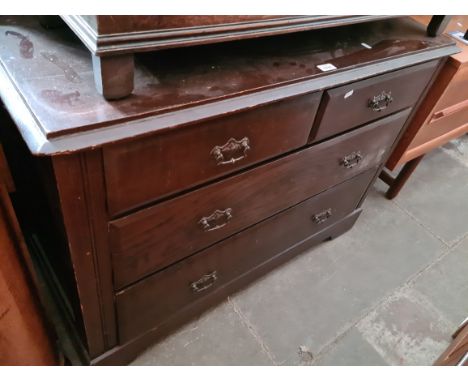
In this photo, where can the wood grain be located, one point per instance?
(24, 337)
(78, 218)
(5, 174)
(107, 35)
(163, 234)
(146, 170)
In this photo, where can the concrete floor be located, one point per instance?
(389, 292)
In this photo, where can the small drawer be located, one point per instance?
(148, 303)
(360, 102)
(148, 169)
(158, 236)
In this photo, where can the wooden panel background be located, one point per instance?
(24, 339)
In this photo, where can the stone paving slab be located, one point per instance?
(351, 350)
(446, 284)
(219, 337)
(406, 330)
(390, 291)
(436, 195)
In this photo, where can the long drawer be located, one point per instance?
(158, 236)
(363, 101)
(151, 301)
(146, 170)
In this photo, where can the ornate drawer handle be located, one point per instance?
(231, 152)
(204, 282)
(351, 160)
(218, 218)
(322, 216)
(381, 102)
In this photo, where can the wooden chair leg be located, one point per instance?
(397, 183)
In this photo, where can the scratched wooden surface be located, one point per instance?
(52, 69)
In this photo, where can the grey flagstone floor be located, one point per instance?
(389, 292)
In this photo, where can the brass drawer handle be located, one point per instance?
(322, 216)
(205, 282)
(351, 160)
(380, 102)
(216, 220)
(231, 152)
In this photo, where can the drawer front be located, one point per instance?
(437, 127)
(148, 303)
(360, 102)
(146, 170)
(165, 233)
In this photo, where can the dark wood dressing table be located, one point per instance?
(226, 160)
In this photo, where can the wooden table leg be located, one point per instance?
(396, 184)
(113, 75)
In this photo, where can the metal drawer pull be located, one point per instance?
(351, 160)
(380, 102)
(226, 154)
(216, 220)
(204, 282)
(322, 216)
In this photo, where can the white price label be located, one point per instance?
(349, 94)
(326, 67)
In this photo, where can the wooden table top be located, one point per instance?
(50, 72)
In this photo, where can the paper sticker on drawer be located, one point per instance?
(326, 67)
(349, 94)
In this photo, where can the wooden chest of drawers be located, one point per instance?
(155, 207)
